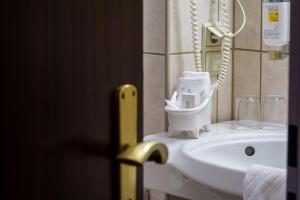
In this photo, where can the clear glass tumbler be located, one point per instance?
(274, 112)
(247, 112)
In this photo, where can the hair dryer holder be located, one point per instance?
(191, 121)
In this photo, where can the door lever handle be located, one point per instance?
(147, 151)
(131, 153)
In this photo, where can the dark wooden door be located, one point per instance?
(293, 180)
(61, 61)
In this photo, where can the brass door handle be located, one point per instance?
(147, 151)
(131, 153)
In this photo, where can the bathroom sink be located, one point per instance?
(214, 166)
(224, 160)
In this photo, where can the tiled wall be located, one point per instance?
(155, 73)
(254, 73)
(181, 51)
(251, 73)
(154, 66)
(160, 79)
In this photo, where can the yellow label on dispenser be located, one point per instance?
(273, 16)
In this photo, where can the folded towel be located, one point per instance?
(264, 183)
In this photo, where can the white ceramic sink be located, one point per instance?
(218, 159)
(223, 161)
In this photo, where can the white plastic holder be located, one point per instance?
(191, 121)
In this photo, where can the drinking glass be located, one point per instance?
(274, 112)
(247, 112)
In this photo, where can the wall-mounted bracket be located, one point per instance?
(212, 35)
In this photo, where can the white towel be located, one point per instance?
(264, 183)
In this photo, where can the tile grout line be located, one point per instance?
(261, 52)
(217, 98)
(167, 46)
(167, 55)
(233, 64)
(253, 50)
(154, 53)
(217, 106)
(190, 52)
(181, 53)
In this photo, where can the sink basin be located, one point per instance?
(218, 160)
(224, 161)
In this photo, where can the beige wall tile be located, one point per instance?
(264, 46)
(275, 76)
(250, 37)
(275, 80)
(246, 74)
(154, 26)
(214, 115)
(180, 22)
(154, 94)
